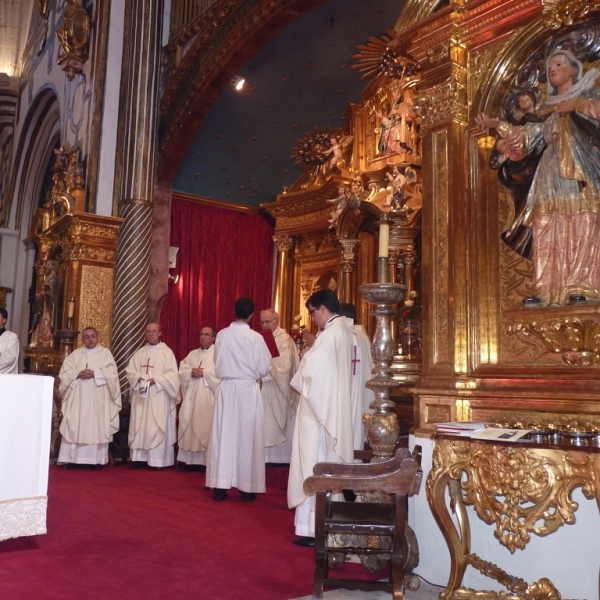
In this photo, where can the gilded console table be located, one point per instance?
(520, 488)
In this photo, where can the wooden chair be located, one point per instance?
(400, 477)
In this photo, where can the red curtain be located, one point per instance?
(223, 255)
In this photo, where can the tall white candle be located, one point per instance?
(71, 308)
(384, 239)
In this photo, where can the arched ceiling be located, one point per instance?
(237, 150)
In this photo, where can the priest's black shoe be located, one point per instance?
(305, 541)
(137, 464)
(247, 496)
(69, 466)
(219, 495)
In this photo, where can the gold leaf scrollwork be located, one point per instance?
(534, 489)
(561, 13)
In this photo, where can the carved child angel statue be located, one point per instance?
(336, 151)
(340, 204)
(399, 178)
(561, 201)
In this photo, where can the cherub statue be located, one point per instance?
(336, 151)
(340, 204)
(399, 178)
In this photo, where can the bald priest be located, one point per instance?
(91, 402)
(154, 383)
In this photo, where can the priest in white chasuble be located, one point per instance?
(9, 347)
(91, 402)
(362, 371)
(198, 385)
(279, 398)
(324, 430)
(236, 453)
(154, 382)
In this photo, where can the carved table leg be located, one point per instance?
(459, 542)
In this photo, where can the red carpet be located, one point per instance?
(118, 533)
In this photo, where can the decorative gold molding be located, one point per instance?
(440, 329)
(571, 331)
(442, 102)
(561, 13)
(96, 300)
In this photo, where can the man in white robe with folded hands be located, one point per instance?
(198, 385)
(324, 429)
(9, 347)
(91, 402)
(279, 398)
(154, 382)
(236, 453)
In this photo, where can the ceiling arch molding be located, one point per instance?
(228, 35)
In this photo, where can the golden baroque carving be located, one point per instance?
(284, 243)
(577, 340)
(96, 300)
(438, 52)
(561, 13)
(442, 102)
(74, 35)
(442, 248)
(519, 490)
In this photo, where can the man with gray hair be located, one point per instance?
(278, 396)
(91, 402)
(9, 347)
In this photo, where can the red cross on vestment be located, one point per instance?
(148, 366)
(354, 361)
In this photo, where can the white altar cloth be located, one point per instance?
(25, 431)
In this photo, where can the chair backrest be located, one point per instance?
(401, 474)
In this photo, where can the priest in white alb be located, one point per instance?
(154, 383)
(279, 398)
(236, 453)
(198, 386)
(9, 347)
(324, 430)
(91, 402)
(362, 371)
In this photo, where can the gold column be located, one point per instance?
(135, 175)
(348, 266)
(282, 297)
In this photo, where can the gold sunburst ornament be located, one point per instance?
(377, 57)
(312, 149)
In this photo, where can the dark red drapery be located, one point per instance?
(223, 254)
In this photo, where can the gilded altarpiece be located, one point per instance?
(327, 224)
(487, 354)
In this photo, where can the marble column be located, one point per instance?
(134, 182)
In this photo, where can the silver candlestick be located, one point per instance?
(382, 425)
